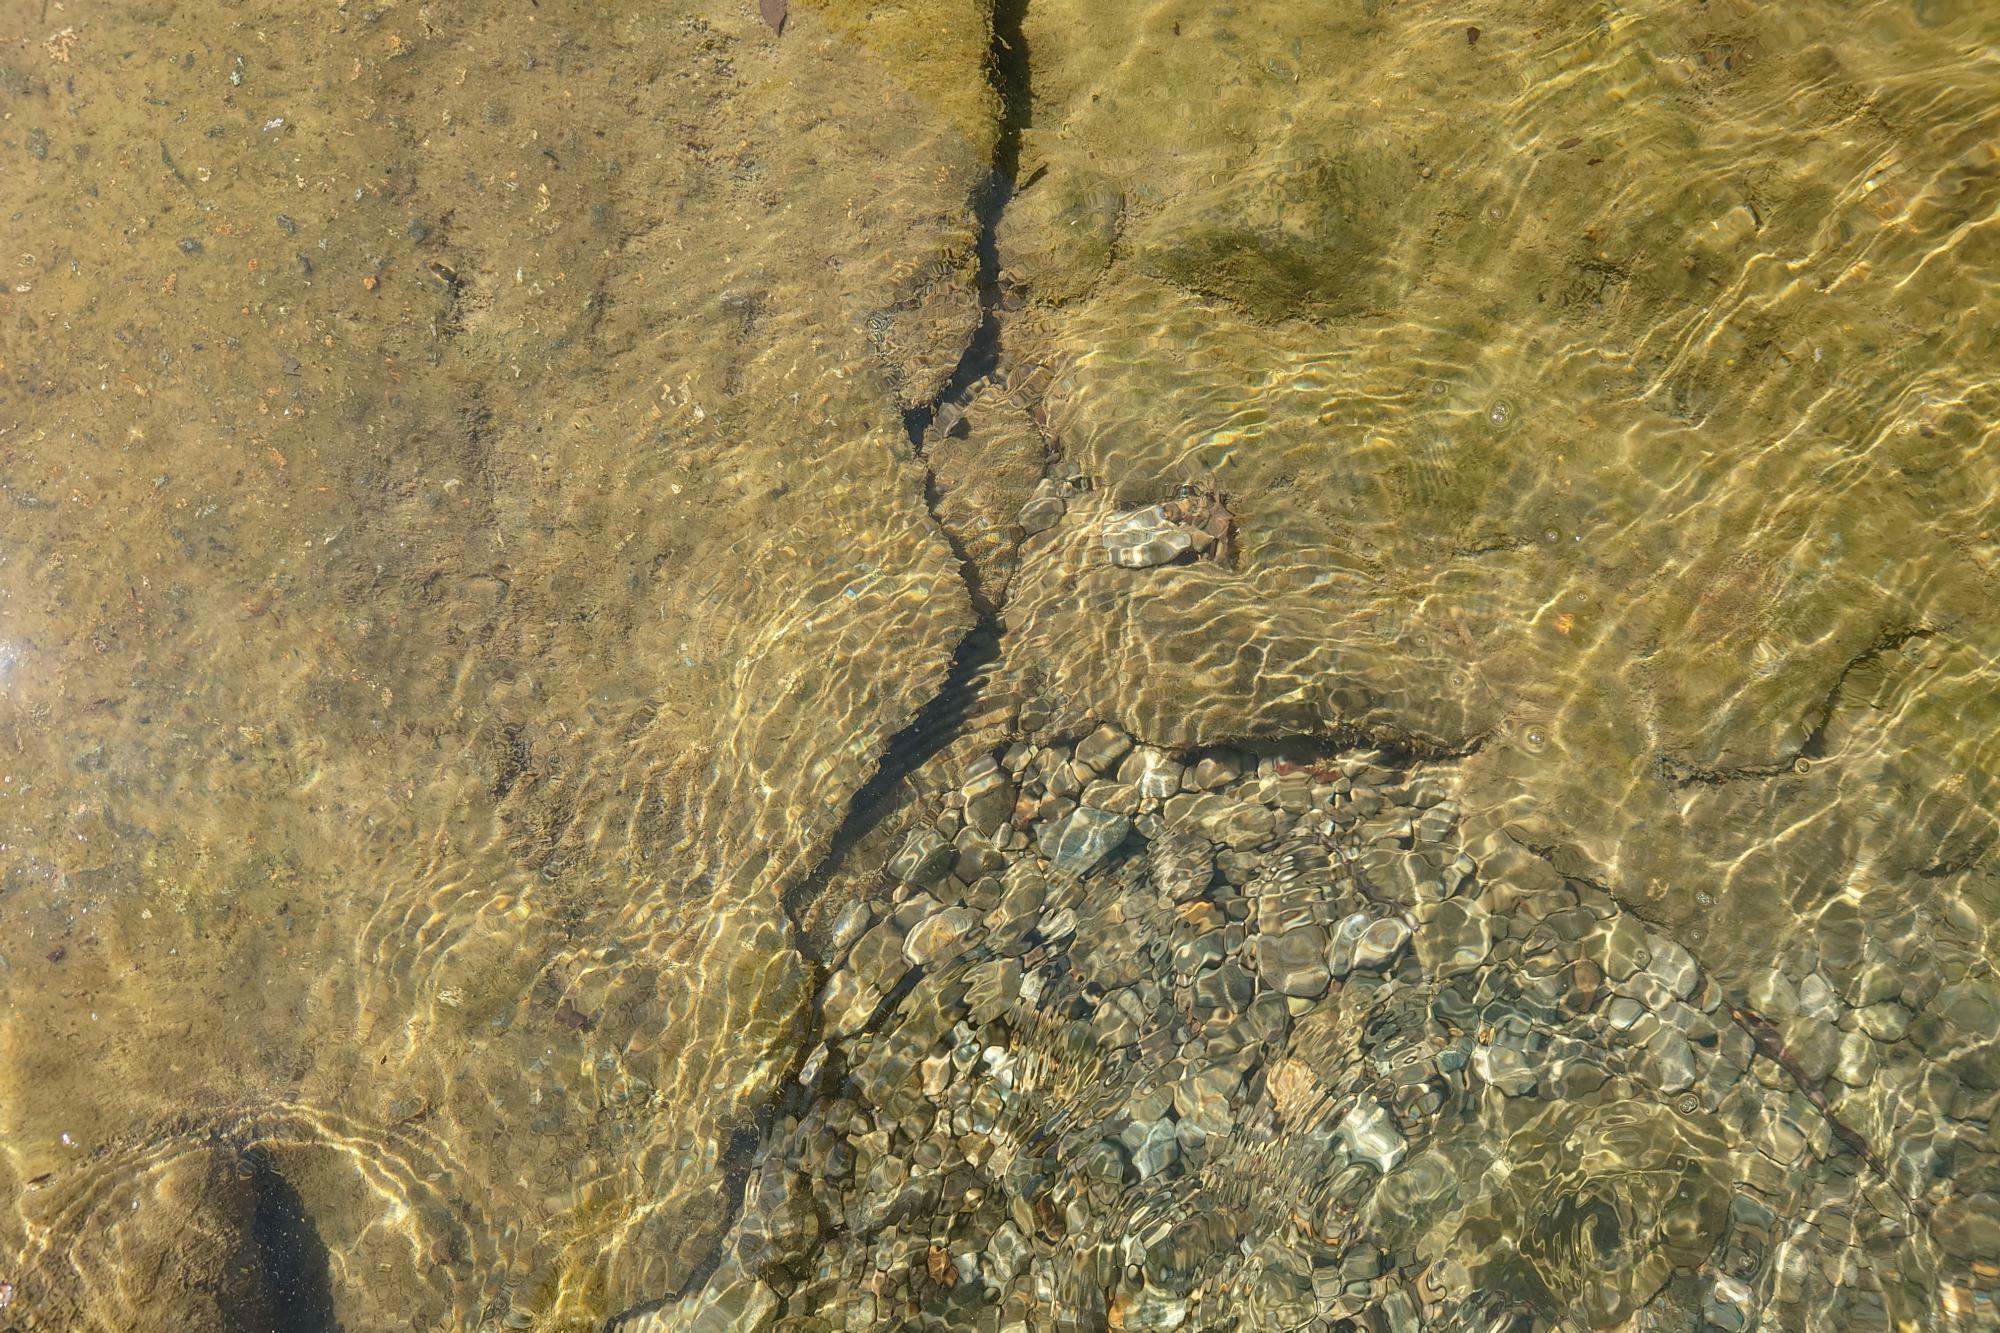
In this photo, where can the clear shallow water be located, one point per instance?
(467, 553)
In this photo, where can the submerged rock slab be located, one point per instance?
(502, 559)
(1518, 470)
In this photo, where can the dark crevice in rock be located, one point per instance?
(1570, 863)
(933, 728)
(1396, 746)
(1496, 547)
(739, 1155)
(944, 715)
(1010, 75)
(1680, 773)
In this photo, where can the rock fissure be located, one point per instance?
(942, 717)
(1681, 773)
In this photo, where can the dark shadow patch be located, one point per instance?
(298, 1278)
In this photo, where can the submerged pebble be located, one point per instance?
(1307, 988)
(1141, 538)
(1088, 836)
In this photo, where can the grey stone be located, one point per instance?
(1647, 989)
(847, 1002)
(1580, 1078)
(1727, 1304)
(1857, 1060)
(1183, 865)
(1008, 1252)
(881, 1190)
(1102, 748)
(1216, 771)
(1203, 951)
(1683, 1019)
(1290, 792)
(1814, 1044)
(1154, 772)
(1118, 797)
(989, 795)
(847, 927)
(1225, 988)
(1379, 944)
(977, 857)
(991, 988)
(1233, 823)
(1156, 1149)
(1885, 1021)
(745, 1305)
(1673, 966)
(1045, 508)
(1024, 892)
(1920, 985)
(1369, 1134)
(1081, 842)
(1202, 1099)
(1780, 1137)
(1963, 1011)
(1294, 963)
(1877, 980)
(1817, 999)
(1625, 947)
(1060, 774)
(877, 959)
(1968, 1226)
(1340, 948)
(1623, 1012)
(1962, 1024)
(1362, 1262)
(1457, 938)
(1670, 1063)
(940, 936)
(1505, 1068)
(1141, 538)
(1773, 995)
(925, 858)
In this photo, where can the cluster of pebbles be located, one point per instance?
(1135, 1039)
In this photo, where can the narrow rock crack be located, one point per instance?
(940, 719)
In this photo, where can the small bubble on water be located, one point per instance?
(1536, 739)
(1690, 1104)
(1551, 536)
(1500, 412)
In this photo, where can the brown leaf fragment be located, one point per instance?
(774, 12)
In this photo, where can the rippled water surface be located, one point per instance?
(1037, 665)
